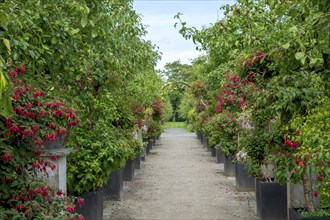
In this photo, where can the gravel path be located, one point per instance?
(180, 180)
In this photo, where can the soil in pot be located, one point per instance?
(294, 215)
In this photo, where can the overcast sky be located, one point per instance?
(158, 15)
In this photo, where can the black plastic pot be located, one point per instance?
(199, 135)
(137, 162)
(220, 157)
(144, 153)
(229, 167)
(114, 189)
(93, 205)
(129, 170)
(205, 142)
(244, 182)
(149, 146)
(271, 200)
(294, 215)
(213, 152)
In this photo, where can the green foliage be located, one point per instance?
(174, 125)
(92, 55)
(186, 105)
(281, 50)
(168, 109)
(155, 128)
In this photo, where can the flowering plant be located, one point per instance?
(158, 110)
(310, 152)
(37, 117)
(24, 194)
(139, 113)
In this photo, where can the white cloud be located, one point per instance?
(158, 15)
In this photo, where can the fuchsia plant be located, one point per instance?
(36, 119)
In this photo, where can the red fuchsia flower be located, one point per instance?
(72, 123)
(51, 137)
(241, 103)
(37, 152)
(59, 193)
(18, 168)
(15, 129)
(42, 112)
(81, 218)
(218, 109)
(53, 167)
(71, 114)
(35, 128)
(58, 113)
(38, 93)
(53, 158)
(71, 209)
(25, 132)
(63, 131)
(80, 201)
(6, 157)
(235, 79)
(251, 76)
(319, 178)
(22, 69)
(315, 193)
(260, 54)
(52, 126)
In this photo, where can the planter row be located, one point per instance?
(271, 197)
(114, 189)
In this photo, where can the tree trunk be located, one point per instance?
(307, 192)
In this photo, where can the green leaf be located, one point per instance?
(286, 46)
(83, 22)
(74, 31)
(6, 43)
(6, 105)
(299, 55)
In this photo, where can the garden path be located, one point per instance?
(180, 180)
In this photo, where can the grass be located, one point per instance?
(175, 125)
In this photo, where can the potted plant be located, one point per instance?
(35, 118)
(307, 161)
(244, 182)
